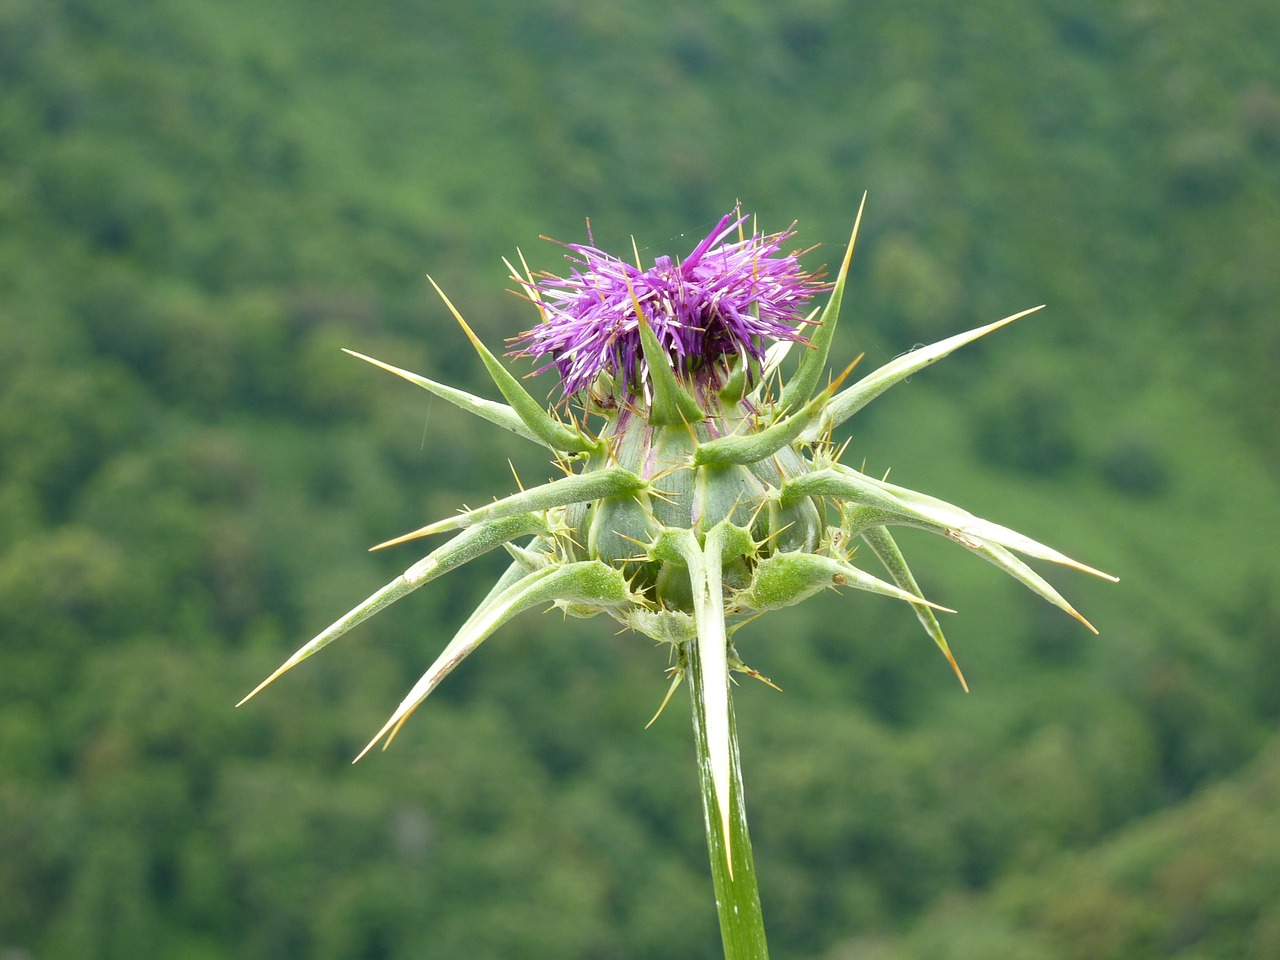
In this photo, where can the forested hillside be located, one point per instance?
(201, 203)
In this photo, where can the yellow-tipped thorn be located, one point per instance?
(389, 731)
(280, 671)
(398, 371)
(524, 263)
(761, 677)
(405, 538)
(370, 745)
(853, 239)
(675, 682)
(775, 534)
(391, 735)
(730, 631)
(1073, 612)
(454, 310)
(835, 385)
(514, 474)
(1017, 316)
(666, 496)
(956, 667)
(1097, 573)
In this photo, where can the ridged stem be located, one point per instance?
(734, 877)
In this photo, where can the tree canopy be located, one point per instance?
(201, 203)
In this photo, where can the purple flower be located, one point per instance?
(725, 299)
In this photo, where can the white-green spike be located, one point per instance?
(464, 547)
(588, 581)
(854, 398)
(960, 524)
(886, 549)
(1011, 565)
(814, 360)
(575, 488)
(498, 413)
(546, 427)
(704, 563)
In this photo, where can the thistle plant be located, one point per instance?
(701, 486)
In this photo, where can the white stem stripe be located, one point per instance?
(713, 659)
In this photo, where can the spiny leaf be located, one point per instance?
(814, 360)
(755, 446)
(464, 547)
(499, 413)
(847, 485)
(886, 548)
(961, 524)
(576, 488)
(589, 581)
(849, 402)
(672, 403)
(891, 504)
(785, 579)
(1011, 565)
(548, 429)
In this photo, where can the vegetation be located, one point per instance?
(200, 203)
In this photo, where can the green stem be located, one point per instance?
(734, 877)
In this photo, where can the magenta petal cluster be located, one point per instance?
(724, 299)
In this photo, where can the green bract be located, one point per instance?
(690, 506)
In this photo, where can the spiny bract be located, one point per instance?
(693, 497)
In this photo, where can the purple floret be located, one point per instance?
(724, 299)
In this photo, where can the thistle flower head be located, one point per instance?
(727, 299)
(691, 513)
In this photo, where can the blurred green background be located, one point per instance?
(201, 202)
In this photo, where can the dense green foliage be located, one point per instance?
(201, 202)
